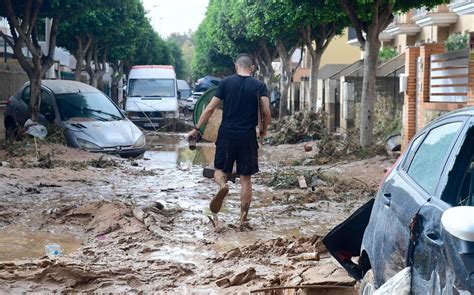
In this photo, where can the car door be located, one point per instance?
(46, 113)
(21, 108)
(438, 266)
(388, 236)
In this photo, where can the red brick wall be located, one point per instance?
(424, 96)
(470, 94)
(409, 108)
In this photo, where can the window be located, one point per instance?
(459, 190)
(46, 106)
(413, 148)
(26, 95)
(152, 87)
(428, 162)
(90, 105)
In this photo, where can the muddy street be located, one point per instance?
(143, 225)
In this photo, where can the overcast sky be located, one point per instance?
(175, 16)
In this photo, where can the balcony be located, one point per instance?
(386, 37)
(403, 24)
(439, 16)
(462, 7)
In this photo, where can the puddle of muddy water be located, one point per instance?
(27, 244)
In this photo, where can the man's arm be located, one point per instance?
(265, 103)
(206, 114)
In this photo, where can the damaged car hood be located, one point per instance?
(106, 134)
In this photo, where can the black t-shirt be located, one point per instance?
(239, 94)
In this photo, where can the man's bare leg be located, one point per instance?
(245, 199)
(216, 203)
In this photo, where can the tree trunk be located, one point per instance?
(35, 92)
(94, 80)
(284, 87)
(285, 77)
(313, 79)
(79, 65)
(372, 47)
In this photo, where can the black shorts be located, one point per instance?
(242, 149)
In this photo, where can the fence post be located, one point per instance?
(409, 105)
(470, 81)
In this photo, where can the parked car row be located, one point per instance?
(201, 86)
(90, 120)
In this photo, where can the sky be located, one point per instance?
(175, 16)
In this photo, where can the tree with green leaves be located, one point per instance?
(152, 49)
(208, 59)
(369, 19)
(274, 19)
(24, 18)
(176, 58)
(186, 45)
(318, 22)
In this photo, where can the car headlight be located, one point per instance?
(87, 144)
(141, 142)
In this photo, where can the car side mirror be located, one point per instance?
(458, 222)
(179, 94)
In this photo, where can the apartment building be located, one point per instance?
(422, 26)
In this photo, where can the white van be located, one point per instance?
(152, 95)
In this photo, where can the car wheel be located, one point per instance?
(367, 285)
(10, 132)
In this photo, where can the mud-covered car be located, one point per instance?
(89, 119)
(422, 216)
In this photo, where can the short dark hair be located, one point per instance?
(244, 60)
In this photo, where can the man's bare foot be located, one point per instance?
(245, 226)
(215, 222)
(216, 202)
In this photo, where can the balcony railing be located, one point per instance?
(462, 7)
(455, 2)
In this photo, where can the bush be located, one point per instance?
(457, 41)
(387, 53)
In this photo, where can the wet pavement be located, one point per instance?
(65, 206)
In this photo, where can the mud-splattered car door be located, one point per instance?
(441, 265)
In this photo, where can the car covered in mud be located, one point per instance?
(89, 119)
(422, 216)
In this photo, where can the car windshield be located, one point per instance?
(90, 105)
(185, 93)
(151, 87)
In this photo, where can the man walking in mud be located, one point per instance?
(245, 99)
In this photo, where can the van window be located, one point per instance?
(428, 162)
(152, 87)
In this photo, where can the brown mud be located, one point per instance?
(142, 225)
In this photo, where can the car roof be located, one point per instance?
(182, 84)
(67, 86)
(467, 111)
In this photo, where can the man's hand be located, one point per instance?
(192, 134)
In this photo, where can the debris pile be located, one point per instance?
(302, 126)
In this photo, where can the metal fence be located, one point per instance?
(12, 77)
(449, 76)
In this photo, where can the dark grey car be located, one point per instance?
(90, 120)
(422, 216)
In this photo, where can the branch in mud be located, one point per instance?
(151, 216)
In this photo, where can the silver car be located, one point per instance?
(90, 120)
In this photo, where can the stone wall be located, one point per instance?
(389, 103)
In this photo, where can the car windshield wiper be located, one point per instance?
(105, 113)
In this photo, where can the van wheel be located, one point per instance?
(367, 285)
